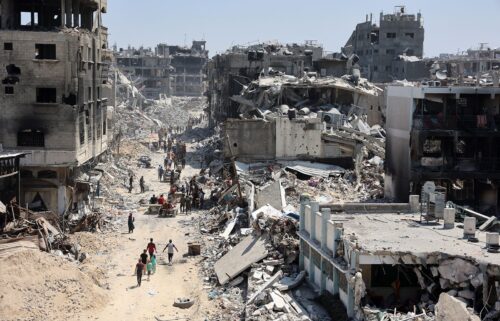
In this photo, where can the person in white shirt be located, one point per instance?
(171, 246)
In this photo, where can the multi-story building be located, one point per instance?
(449, 135)
(480, 65)
(149, 70)
(188, 75)
(227, 73)
(383, 48)
(54, 93)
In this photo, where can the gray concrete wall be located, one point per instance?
(400, 107)
(299, 138)
(250, 139)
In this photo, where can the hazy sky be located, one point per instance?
(449, 24)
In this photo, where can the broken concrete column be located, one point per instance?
(449, 218)
(414, 203)
(469, 227)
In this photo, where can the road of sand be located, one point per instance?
(154, 299)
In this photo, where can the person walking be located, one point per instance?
(149, 268)
(183, 202)
(141, 184)
(144, 257)
(130, 183)
(139, 269)
(153, 263)
(151, 247)
(131, 221)
(170, 246)
(160, 172)
(201, 196)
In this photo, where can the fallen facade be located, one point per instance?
(348, 251)
(447, 135)
(55, 94)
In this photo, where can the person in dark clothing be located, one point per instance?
(172, 177)
(153, 199)
(139, 269)
(141, 184)
(130, 183)
(144, 257)
(131, 226)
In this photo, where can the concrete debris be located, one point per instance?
(450, 308)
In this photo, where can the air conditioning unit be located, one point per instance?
(333, 118)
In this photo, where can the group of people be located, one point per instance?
(147, 264)
(142, 183)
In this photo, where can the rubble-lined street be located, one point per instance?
(228, 179)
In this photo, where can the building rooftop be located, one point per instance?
(390, 233)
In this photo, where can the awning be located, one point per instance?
(314, 169)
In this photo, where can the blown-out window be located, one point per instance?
(31, 138)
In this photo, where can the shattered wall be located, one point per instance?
(250, 139)
(300, 138)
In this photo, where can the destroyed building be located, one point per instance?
(391, 50)
(450, 273)
(149, 70)
(480, 66)
(286, 117)
(445, 134)
(188, 74)
(55, 93)
(230, 72)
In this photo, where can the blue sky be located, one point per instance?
(449, 24)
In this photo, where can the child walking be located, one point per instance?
(149, 268)
(153, 263)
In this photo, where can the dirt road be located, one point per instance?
(154, 299)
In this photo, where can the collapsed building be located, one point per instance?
(479, 66)
(230, 72)
(150, 71)
(448, 135)
(448, 274)
(284, 117)
(167, 71)
(188, 74)
(391, 50)
(55, 93)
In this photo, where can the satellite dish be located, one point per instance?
(429, 187)
(441, 75)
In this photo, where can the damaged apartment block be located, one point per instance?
(54, 99)
(448, 135)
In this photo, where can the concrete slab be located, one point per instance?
(273, 194)
(250, 250)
